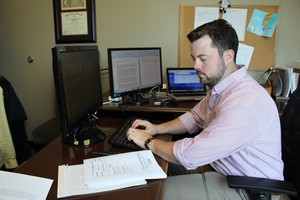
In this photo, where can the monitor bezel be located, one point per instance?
(67, 128)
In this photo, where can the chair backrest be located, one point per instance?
(290, 131)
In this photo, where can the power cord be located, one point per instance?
(151, 93)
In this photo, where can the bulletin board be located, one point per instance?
(264, 47)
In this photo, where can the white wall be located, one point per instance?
(27, 29)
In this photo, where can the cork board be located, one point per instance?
(264, 47)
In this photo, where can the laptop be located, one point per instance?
(184, 84)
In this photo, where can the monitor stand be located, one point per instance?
(87, 134)
(137, 100)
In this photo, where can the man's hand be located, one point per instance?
(138, 136)
(145, 125)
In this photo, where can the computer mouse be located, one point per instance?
(170, 103)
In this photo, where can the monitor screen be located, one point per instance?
(77, 81)
(184, 80)
(134, 70)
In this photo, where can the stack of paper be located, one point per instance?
(285, 74)
(108, 173)
(295, 81)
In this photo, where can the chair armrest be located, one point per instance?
(261, 184)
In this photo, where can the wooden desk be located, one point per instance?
(152, 111)
(45, 164)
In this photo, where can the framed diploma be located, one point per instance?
(74, 21)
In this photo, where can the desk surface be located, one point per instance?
(45, 164)
(179, 108)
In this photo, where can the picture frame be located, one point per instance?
(74, 21)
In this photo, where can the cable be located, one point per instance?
(150, 92)
(107, 102)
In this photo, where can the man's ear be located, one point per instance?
(228, 56)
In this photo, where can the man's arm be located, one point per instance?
(171, 127)
(163, 149)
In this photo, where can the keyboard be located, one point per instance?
(179, 97)
(119, 137)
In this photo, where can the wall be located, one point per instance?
(27, 29)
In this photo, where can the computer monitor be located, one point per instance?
(133, 71)
(77, 81)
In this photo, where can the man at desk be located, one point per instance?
(240, 121)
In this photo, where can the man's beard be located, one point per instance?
(212, 81)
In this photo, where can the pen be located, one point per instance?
(103, 153)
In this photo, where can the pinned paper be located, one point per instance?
(263, 23)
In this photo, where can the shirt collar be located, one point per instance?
(222, 85)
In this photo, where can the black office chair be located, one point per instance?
(290, 131)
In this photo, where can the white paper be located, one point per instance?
(106, 174)
(70, 182)
(287, 80)
(74, 23)
(237, 18)
(15, 186)
(126, 166)
(295, 76)
(244, 55)
(294, 81)
(204, 15)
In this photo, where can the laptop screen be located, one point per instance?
(184, 80)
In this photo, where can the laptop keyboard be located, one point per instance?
(185, 95)
(188, 97)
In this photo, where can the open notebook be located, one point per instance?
(184, 84)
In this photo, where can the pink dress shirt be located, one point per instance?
(241, 130)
